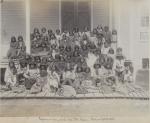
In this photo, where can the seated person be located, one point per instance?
(53, 79)
(21, 71)
(42, 81)
(10, 75)
(105, 48)
(31, 75)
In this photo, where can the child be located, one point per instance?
(20, 46)
(53, 79)
(31, 75)
(12, 52)
(120, 67)
(10, 75)
(21, 71)
(58, 35)
(42, 80)
(105, 48)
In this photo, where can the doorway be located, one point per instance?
(75, 13)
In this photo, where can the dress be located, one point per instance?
(10, 76)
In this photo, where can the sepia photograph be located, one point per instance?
(74, 60)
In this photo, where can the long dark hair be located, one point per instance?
(13, 68)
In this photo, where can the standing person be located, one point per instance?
(107, 34)
(120, 68)
(58, 35)
(105, 48)
(12, 52)
(43, 32)
(21, 48)
(10, 75)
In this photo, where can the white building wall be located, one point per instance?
(127, 20)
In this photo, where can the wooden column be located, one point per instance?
(28, 45)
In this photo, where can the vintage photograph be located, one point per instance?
(69, 55)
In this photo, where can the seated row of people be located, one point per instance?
(46, 40)
(52, 73)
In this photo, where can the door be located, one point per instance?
(75, 13)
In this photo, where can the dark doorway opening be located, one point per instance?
(75, 13)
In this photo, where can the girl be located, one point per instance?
(53, 79)
(10, 75)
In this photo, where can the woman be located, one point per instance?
(42, 80)
(10, 75)
(12, 52)
(53, 79)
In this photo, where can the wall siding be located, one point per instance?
(100, 12)
(45, 14)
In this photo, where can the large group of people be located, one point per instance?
(73, 62)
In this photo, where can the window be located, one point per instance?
(145, 21)
(144, 36)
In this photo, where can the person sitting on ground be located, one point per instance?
(42, 84)
(31, 75)
(10, 75)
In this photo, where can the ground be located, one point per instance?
(74, 108)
